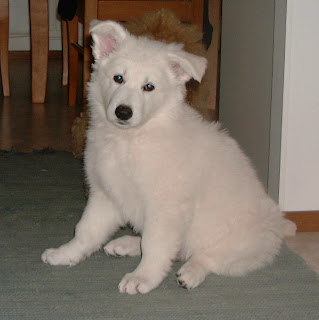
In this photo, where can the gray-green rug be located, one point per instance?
(41, 199)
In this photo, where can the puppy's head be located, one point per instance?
(134, 77)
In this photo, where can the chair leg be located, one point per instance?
(39, 20)
(73, 60)
(4, 41)
(90, 13)
(65, 53)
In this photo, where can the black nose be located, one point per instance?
(123, 112)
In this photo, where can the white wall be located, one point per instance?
(299, 173)
(19, 39)
(246, 77)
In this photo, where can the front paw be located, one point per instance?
(133, 283)
(191, 275)
(60, 257)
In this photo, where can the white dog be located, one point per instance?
(152, 162)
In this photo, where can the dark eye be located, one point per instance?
(118, 78)
(148, 87)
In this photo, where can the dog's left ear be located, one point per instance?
(187, 65)
(107, 37)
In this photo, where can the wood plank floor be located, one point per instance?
(26, 127)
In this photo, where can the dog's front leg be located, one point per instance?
(99, 221)
(160, 244)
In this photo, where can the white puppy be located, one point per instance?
(152, 162)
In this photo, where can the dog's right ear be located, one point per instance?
(107, 36)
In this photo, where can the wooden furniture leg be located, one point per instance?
(39, 18)
(73, 59)
(65, 53)
(90, 13)
(4, 38)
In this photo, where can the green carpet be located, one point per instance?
(41, 199)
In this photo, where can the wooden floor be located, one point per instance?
(25, 126)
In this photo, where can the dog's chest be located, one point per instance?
(116, 168)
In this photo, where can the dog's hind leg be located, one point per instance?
(99, 221)
(124, 246)
(194, 271)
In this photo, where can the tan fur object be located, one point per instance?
(78, 132)
(162, 25)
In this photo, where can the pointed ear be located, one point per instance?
(107, 36)
(187, 65)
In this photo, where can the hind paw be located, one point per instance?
(124, 246)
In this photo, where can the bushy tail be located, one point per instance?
(290, 228)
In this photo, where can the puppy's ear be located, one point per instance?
(186, 65)
(107, 36)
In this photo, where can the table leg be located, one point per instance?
(39, 19)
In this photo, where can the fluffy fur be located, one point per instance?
(151, 161)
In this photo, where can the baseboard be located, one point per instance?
(306, 221)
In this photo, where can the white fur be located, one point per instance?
(181, 182)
